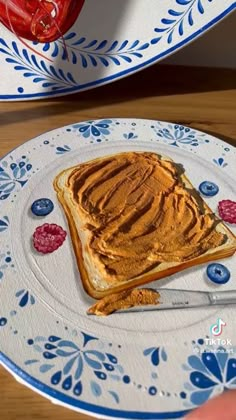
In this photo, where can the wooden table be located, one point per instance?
(201, 98)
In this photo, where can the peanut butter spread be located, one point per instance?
(139, 214)
(124, 300)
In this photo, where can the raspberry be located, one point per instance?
(227, 210)
(48, 237)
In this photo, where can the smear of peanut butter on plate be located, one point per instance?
(124, 300)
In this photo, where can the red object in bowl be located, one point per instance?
(39, 20)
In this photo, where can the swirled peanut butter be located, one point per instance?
(139, 214)
(124, 300)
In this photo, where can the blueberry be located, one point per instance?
(13, 166)
(21, 164)
(218, 273)
(42, 207)
(208, 188)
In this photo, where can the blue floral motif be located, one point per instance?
(220, 162)
(4, 223)
(88, 53)
(176, 133)
(5, 260)
(130, 136)
(61, 150)
(94, 129)
(77, 359)
(41, 72)
(25, 298)
(210, 374)
(95, 52)
(181, 17)
(156, 354)
(13, 174)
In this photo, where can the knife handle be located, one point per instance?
(223, 298)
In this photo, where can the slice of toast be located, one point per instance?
(134, 217)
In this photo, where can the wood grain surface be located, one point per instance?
(204, 99)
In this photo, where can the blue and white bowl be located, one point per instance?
(108, 41)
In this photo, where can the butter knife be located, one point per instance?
(181, 299)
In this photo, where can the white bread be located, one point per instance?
(95, 279)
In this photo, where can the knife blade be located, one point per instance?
(182, 299)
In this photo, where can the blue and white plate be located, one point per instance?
(111, 39)
(155, 365)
